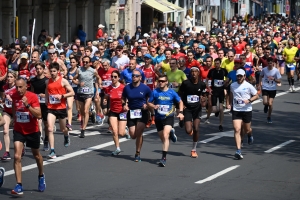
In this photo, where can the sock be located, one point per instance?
(164, 154)
(137, 153)
(46, 139)
(66, 136)
(292, 80)
(238, 150)
(195, 146)
(289, 80)
(19, 184)
(118, 148)
(41, 175)
(52, 150)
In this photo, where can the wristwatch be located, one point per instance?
(28, 105)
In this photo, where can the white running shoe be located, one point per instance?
(293, 88)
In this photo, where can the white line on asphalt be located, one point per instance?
(212, 177)
(279, 146)
(210, 139)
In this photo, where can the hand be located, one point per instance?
(156, 107)
(81, 84)
(144, 106)
(24, 100)
(42, 95)
(180, 116)
(271, 78)
(70, 77)
(8, 97)
(229, 107)
(246, 101)
(125, 108)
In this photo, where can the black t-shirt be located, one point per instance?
(217, 79)
(190, 93)
(298, 55)
(39, 85)
(226, 50)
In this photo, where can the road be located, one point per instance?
(86, 170)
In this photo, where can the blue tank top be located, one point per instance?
(70, 81)
(14, 66)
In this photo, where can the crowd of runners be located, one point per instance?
(146, 80)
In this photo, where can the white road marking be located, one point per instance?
(212, 177)
(279, 146)
(217, 136)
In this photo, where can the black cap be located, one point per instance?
(131, 55)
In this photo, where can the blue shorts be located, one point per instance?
(288, 69)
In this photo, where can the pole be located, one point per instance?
(32, 36)
(14, 20)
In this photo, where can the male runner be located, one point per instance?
(289, 53)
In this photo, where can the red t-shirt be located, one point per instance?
(239, 48)
(105, 76)
(10, 92)
(194, 62)
(25, 122)
(149, 76)
(3, 68)
(178, 55)
(115, 94)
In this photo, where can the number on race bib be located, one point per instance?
(135, 114)
(84, 90)
(163, 109)
(239, 103)
(218, 83)
(8, 103)
(149, 80)
(123, 115)
(22, 117)
(53, 100)
(192, 98)
(106, 83)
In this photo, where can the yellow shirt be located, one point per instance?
(165, 67)
(228, 65)
(178, 76)
(290, 54)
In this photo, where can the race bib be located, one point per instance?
(53, 100)
(268, 82)
(149, 80)
(106, 83)
(249, 64)
(83, 90)
(239, 103)
(41, 99)
(173, 86)
(290, 65)
(22, 117)
(279, 57)
(8, 103)
(135, 114)
(218, 83)
(123, 115)
(163, 109)
(209, 83)
(192, 98)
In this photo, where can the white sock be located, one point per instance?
(194, 146)
(118, 148)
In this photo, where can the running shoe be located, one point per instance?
(82, 134)
(69, 127)
(194, 154)
(41, 140)
(153, 120)
(137, 158)
(67, 141)
(109, 129)
(52, 155)
(217, 114)
(206, 121)
(46, 146)
(116, 152)
(6, 156)
(23, 153)
(78, 117)
(162, 162)
(250, 139)
(18, 190)
(148, 124)
(173, 136)
(2, 171)
(238, 155)
(98, 119)
(293, 88)
(54, 128)
(266, 108)
(42, 183)
(127, 133)
(221, 128)
(269, 120)
(181, 123)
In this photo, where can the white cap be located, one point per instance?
(240, 72)
(100, 26)
(146, 35)
(24, 55)
(187, 35)
(140, 41)
(237, 39)
(94, 43)
(176, 45)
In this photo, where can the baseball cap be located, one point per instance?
(146, 35)
(240, 72)
(147, 56)
(131, 55)
(51, 50)
(140, 41)
(201, 46)
(176, 45)
(109, 39)
(186, 35)
(24, 55)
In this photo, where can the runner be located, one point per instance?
(117, 116)
(85, 76)
(289, 53)
(57, 90)
(163, 101)
(38, 86)
(269, 76)
(217, 76)
(191, 92)
(137, 95)
(241, 96)
(126, 74)
(182, 67)
(53, 58)
(9, 89)
(26, 111)
(2, 170)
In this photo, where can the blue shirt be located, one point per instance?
(166, 101)
(232, 75)
(187, 72)
(44, 56)
(137, 96)
(126, 75)
(158, 59)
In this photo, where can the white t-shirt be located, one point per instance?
(55, 42)
(118, 62)
(242, 92)
(268, 84)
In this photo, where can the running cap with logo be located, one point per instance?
(240, 72)
(24, 55)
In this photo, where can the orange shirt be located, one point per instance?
(54, 88)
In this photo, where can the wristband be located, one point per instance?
(28, 105)
(181, 112)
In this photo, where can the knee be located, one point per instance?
(17, 157)
(270, 103)
(266, 103)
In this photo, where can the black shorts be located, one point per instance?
(257, 75)
(160, 123)
(59, 113)
(2, 83)
(101, 103)
(133, 122)
(245, 116)
(84, 97)
(114, 114)
(192, 114)
(215, 96)
(270, 93)
(44, 111)
(32, 140)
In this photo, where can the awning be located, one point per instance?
(163, 6)
(258, 2)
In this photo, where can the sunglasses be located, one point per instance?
(17, 53)
(153, 51)
(114, 77)
(239, 76)
(48, 53)
(172, 63)
(4, 52)
(85, 62)
(101, 49)
(136, 75)
(230, 56)
(162, 81)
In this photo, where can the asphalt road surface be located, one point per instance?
(86, 169)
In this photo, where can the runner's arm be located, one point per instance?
(46, 93)
(63, 66)
(69, 88)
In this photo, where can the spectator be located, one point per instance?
(100, 31)
(81, 34)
